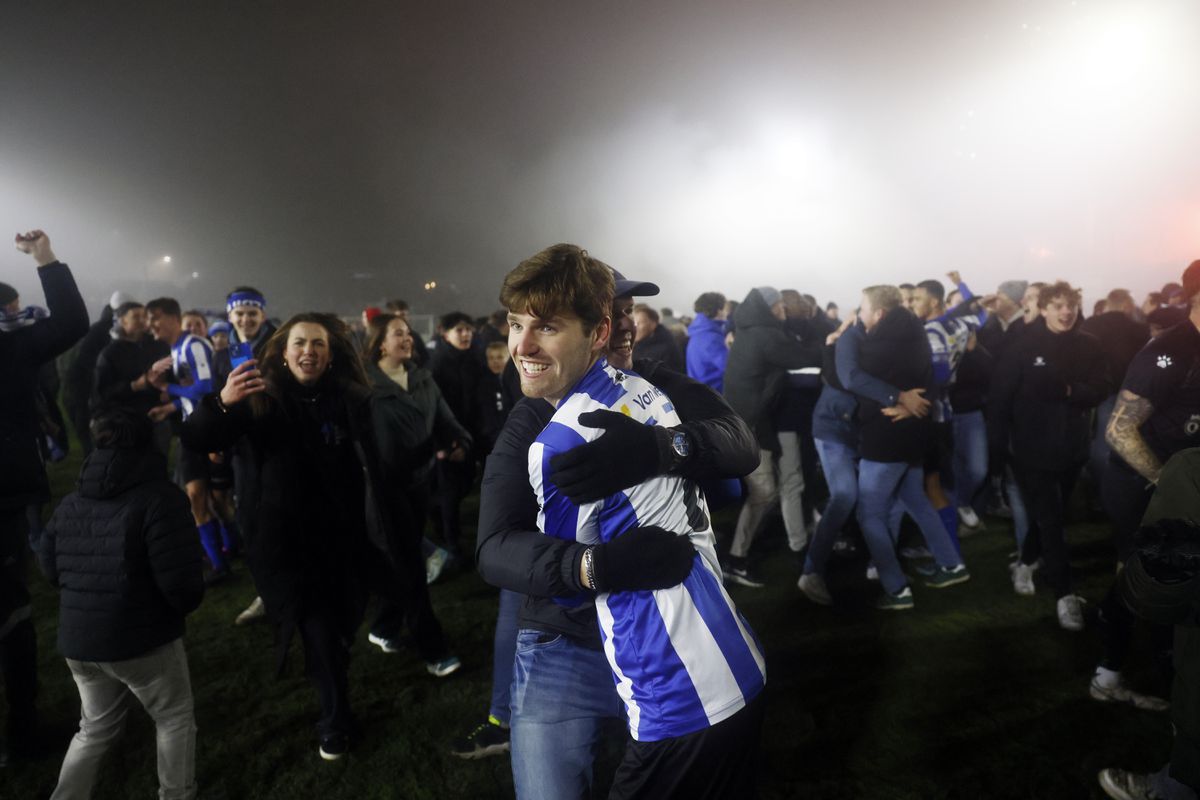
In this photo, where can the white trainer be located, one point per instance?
(1070, 613)
(1022, 579)
(814, 588)
(1108, 689)
(968, 517)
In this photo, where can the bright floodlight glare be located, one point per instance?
(166, 259)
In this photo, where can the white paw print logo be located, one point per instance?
(1039, 362)
(1164, 361)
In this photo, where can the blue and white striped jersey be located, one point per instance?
(191, 361)
(683, 658)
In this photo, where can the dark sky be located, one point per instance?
(334, 154)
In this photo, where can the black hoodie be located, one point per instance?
(756, 371)
(122, 550)
(897, 352)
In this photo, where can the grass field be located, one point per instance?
(975, 694)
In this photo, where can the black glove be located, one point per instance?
(642, 559)
(626, 454)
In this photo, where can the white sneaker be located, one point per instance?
(814, 588)
(872, 572)
(435, 564)
(1114, 691)
(968, 517)
(254, 612)
(1022, 579)
(1070, 613)
(1121, 784)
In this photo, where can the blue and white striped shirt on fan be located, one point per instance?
(191, 361)
(683, 658)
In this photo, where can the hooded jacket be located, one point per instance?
(706, 352)
(897, 352)
(759, 359)
(123, 552)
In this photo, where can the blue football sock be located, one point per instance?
(230, 536)
(949, 516)
(210, 540)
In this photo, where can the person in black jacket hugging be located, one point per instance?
(122, 551)
(1039, 417)
(893, 443)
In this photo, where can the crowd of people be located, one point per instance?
(332, 460)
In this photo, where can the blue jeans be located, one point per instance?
(562, 692)
(883, 486)
(1017, 503)
(504, 650)
(970, 456)
(841, 474)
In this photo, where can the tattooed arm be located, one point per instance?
(1125, 439)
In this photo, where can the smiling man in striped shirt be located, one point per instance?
(686, 664)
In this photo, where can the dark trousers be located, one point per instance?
(1046, 494)
(326, 663)
(18, 641)
(717, 762)
(453, 482)
(1126, 495)
(400, 584)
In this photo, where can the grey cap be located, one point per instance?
(769, 293)
(1013, 290)
(118, 299)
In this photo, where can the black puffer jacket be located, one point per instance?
(895, 351)
(759, 359)
(123, 552)
(457, 373)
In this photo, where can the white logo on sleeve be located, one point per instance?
(1164, 361)
(1039, 362)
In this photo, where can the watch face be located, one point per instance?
(680, 444)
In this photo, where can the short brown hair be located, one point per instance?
(709, 304)
(883, 297)
(561, 279)
(497, 345)
(648, 311)
(1053, 291)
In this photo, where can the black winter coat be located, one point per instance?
(1042, 396)
(457, 373)
(411, 426)
(123, 552)
(22, 353)
(759, 359)
(324, 511)
(1120, 337)
(122, 363)
(895, 351)
(660, 346)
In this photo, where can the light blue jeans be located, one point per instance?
(504, 650)
(881, 488)
(562, 693)
(841, 475)
(970, 456)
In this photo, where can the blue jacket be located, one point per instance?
(706, 352)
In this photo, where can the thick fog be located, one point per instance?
(337, 154)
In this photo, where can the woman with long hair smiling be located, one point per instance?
(305, 409)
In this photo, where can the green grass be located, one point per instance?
(975, 694)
